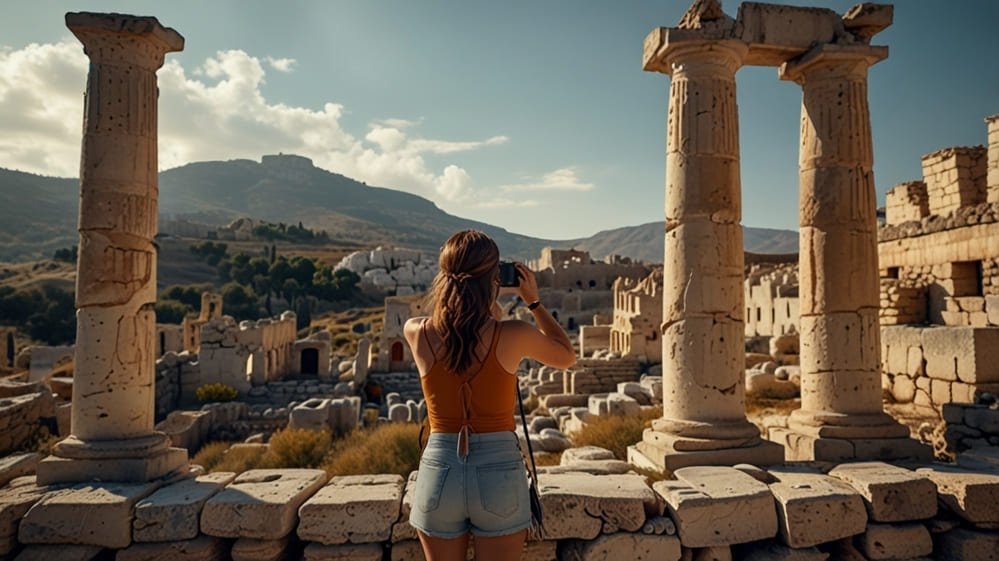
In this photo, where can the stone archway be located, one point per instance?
(397, 353)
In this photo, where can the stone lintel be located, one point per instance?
(718, 506)
(866, 19)
(83, 24)
(867, 55)
(891, 493)
(804, 447)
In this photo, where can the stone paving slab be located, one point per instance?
(363, 552)
(87, 514)
(715, 505)
(352, 509)
(620, 546)
(59, 552)
(963, 544)
(973, 496)
(895, 541)
(202, 548)
(578, 505)
(15, 501)
(172, 512)
(891, 493)
(814, 509)
(261, 503)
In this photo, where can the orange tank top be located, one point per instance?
(481, 400)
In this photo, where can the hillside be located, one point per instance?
(38, 214)
(646, 241)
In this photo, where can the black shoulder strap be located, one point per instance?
(527, 435)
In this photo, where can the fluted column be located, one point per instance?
(704, 419)
(838, 260)
(113, 387)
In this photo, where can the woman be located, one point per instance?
(472, 477)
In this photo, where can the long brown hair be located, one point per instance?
(462, 294)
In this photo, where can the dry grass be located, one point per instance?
(386, 448)
(297, 448)
(547, 458)
(341, 327)
(615, 432)
(239, 459)
(210, 455)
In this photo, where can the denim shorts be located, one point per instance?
(485, 494)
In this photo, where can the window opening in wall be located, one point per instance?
(788, 309)
(892, 273)
(759, 314)
(593, 283)
(162, 342)
(967, 278)
(310, 361)
(773, 316)
(10, 349)
(749, 313)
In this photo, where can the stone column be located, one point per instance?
(113, 388)
(704, 418)
(841, 415)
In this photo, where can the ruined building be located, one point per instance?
(638, 312)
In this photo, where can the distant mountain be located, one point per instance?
(646, 242)
(38, 214)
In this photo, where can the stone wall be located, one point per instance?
(406, 384)
(247, 354)
(232, 422)
(23, 408)
(955, 177)
(854, 511)
(771, 296)
(638, 316)
(968, 426)
(933, 366)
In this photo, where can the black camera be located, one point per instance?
(508, 275)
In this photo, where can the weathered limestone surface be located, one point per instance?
(202, 548)
(260, 504)
(113, 381)
(15, 501)
(97, 514)
(972, 496)
(963, 544)
(614, 547)
(714, 506)
(18, 465)
(60, 552)
(402, 530)
(814, 509)
(352, 509)
(895, 541)
(172, 513)
(364, 552)
(578, 505)
(891, 493)
(252, 549)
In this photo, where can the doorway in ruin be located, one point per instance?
(10, 349)
(309, 361)
(397, 352)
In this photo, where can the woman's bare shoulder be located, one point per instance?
(413, 324)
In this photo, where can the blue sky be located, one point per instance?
(531, 115)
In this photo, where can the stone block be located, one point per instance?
(773, 551)
(352, 509)
(615, 547)
(578, 505)
(895, 541)
(964, 544)
(18, 465)
(202, 548)
(715, 506)
(891, 493)
(971, 495)
(814, 509)
(60, 552)
(970, 352)
(260, 503)
(402, 530)
(250, 549)
(364, 552)
(97, 514)
(172, 512)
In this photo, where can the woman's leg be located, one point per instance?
(441, 549)
(500, 548)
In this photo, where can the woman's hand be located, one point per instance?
(528, 289)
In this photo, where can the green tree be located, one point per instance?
(171, 311)
(239, 302)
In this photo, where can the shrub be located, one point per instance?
(211, 454)
(215, 392)
(615, 432)
(240, 459)
(297, 448)
(387, 448)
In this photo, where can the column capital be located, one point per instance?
(827, 61)
(139, 40)
(668, 49)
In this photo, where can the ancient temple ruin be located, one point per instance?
(841, 416)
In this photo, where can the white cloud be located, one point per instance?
(501, 202)
(281, 64)
(562, 179)
(215, 111)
